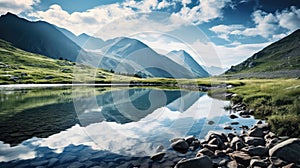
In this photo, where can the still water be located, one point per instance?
(104, 127)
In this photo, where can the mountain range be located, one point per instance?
(122, 55)
(281, 57)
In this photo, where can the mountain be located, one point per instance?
(37, 37)
(184, 59)
(127, 55)
(280, 56)
(83, 40)
(214, 70)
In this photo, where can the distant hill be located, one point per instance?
(181, 57)
(134, 57)
(214, 70)
(83, 40)
(281, 58)
(37, 37)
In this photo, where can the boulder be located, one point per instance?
(158, 156)
(195, 145)
(256, 150)
(258, 163)
(256, 132)
(181, 146)
(190, 139)
(203, 161)
(205, 152)
(255, 141)
(288, 150)
(232, 116)
(241, 157)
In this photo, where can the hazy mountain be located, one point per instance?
(83, 40)
(37, 37)
(213, 70)
(184, 59)
(132, 56)
(283, 55)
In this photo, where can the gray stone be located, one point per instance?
(205, 152)
(256, 150)
(180, 146)
(256, 132)
(176, 139)
(288, 150)
(201, 162)
(255, 141)
(258, 163)
(158, 156)
(241, 157)
(190, 139)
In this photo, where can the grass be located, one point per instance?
(276, 100)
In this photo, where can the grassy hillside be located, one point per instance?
(276, 100)
(281, 55)
(18, 66)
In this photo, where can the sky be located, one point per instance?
(215, 32)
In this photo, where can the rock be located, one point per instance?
(200, 162)
(228, 127)
(256, 150)
(288, 150)
(270, 135)
(219, 135)
(244, 113)
(239, 145)
(234, 164)
(216, 141)
(159, 148)
(241, 157)
(230, 136)
(277, 162)
(237, 142)
(258, 163)
(157, 156)
(176, 139)
(255, 141)
(210, 122)
(205, 152)
(291, 165)
(190, 139)
(235, 123)
(49, 77)
(256, 132)
(211, 147)
(181, 146)
(245, 116)
(232, 116)
(195, 145)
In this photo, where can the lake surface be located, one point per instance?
(103, 126)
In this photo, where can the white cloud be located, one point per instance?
(266, 25)
(289, 19)
(15, 6)
(224, 31)
(204, 12)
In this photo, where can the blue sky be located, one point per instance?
(214, 32)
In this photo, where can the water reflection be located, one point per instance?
(105, 127)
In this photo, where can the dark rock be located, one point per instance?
(158, 156)
(200, 162)
(235, 123)
(277, 162)
(216, 141)
(229, 150)
(220, 153)
(244, 127)
(256, 132)
(228, 127)
(244, 113)
(258, 163)
(291, 165)
(239, 145)
(245, 116)
(211, 147)
(219, 135)
(232, 116)
(235, 141)
(241, 157)
(255, 141)
(288, 150)
(231, 136)
(210, 122)
(49, 77)
(205, 152)
(180, 145)
(256, 150)
(195, 145)
(190, 139)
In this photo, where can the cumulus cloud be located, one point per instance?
(266, 25)
(204, 12)
(15, 6)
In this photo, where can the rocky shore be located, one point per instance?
(255, 147)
